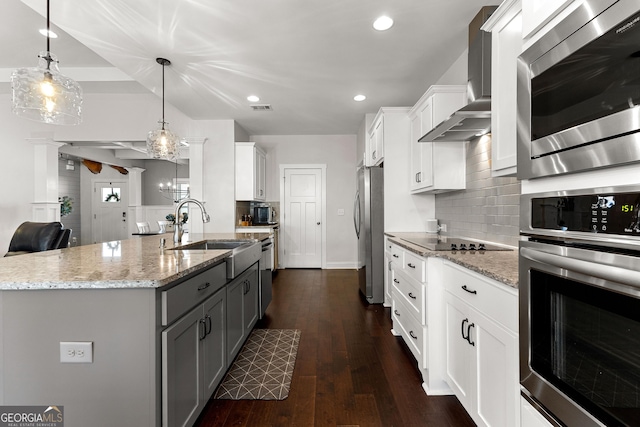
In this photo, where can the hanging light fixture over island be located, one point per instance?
(43, 94)
(162, 143)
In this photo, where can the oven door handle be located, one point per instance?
(602, 271)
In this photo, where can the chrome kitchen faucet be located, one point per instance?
(177, 229)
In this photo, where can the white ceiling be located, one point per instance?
(307, 58)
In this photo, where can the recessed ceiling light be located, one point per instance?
(253, 98)
(52, 35)
(359, 98)
(383, 23)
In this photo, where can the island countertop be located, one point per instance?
(133, 263)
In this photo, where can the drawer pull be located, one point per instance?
(396, 281)
(204, 286)
(396, 313)
(395, 256)
(412, 335)
(464, 288)
(411, 265)
(412, 296)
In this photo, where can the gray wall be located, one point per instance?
(157, 171)
(489, 208)
(69, 185)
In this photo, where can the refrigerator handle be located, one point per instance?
(356, 214)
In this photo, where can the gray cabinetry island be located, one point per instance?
(156, 322)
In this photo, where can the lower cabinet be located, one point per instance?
(417, 313)
(482, 346)
(193, 360)
(242, 309)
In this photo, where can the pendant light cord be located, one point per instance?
(48, 28)
(163, 99)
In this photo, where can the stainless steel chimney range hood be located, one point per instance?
(474, 119)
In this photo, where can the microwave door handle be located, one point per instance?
(603, 271)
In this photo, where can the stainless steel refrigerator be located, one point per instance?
(368, 220)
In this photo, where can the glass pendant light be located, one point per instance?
(43, 94)
(162, 143)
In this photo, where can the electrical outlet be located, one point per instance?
(340, 212)
(76, 352)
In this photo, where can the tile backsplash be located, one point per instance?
(489, 208)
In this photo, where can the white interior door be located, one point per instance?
(109, 206)
(303, 218)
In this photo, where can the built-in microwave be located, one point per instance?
(579, 92)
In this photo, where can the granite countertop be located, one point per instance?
(501, 266)
(132, 263)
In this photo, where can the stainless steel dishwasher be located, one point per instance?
(265, 264)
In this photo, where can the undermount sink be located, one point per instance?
(216, 245)
(243, 254)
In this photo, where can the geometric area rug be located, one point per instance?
(263, 368)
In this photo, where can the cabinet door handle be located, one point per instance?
(464, 287)
(374, 154)
(396, 313)
(473, 325)
(207, 326)
(395, 256)
(411, 265)
(419, 176)
(411, 296)
(204, 286)
(203, 329)
(396, 281)
(412, 335)
(462, 329)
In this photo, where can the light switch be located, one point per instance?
(340, 212)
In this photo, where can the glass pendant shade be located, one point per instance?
(43, 94)
(163, 144)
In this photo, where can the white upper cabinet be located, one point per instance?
(505, 26)
(250, 172)
(374, 149)
(436, 166)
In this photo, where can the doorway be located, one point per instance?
(109, 211)
(303, 195)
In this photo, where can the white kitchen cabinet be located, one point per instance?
(505, 26)
(374, 149)
(482, 346)
(388, 273)
(436, 166)
(250, 172)
(417, 315)
(193, 361)
(531, 417)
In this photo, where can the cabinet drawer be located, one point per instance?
(177, 300)
(415, 266)
(412, 332)
(412, 293)
(489, 297)
(397, 255)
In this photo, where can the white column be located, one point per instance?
(45, 206)
(196, 181)
(135, 210)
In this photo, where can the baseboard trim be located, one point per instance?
(348, 265)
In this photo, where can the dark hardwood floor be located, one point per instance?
(350, 370)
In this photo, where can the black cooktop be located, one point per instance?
(445, 243)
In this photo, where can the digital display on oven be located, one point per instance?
(615, 213)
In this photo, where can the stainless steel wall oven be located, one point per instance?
(580, 306)
(579, 92)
